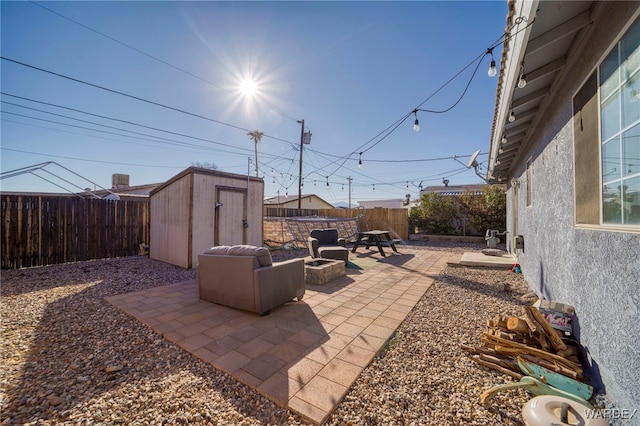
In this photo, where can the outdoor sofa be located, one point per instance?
(244, 277)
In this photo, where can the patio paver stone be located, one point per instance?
(304, 355)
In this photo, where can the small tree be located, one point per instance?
(485, 211)
(436, 214)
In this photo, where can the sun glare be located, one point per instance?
(248, 88)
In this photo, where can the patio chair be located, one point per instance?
(325, 243)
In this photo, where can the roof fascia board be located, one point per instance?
(512, 58)
(563, 30)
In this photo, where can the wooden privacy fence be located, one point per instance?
(394, 220)
(288, 227)
(43, 230)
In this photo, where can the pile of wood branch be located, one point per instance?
(530, 337)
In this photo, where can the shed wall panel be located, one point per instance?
(205, 188)
(204, 199)
(169, 223)
(255, 214)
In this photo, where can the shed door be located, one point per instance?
(229, 225)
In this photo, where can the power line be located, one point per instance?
(88, 160)
(156, 138)
(117, 92)
(128, 46)
(135, 49)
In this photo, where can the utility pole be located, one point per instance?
(305, 138)
(300, 170)
(349, 179)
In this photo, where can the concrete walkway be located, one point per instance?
(304, 355)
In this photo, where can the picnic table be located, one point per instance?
(376, 238)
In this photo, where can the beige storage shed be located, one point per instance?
(201, 208)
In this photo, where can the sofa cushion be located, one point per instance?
(219, 250)
(325, 236)
(261, 253)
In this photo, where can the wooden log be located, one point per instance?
(562, 364)
(508, 363)
(553, 366)
(516, 337)
(514, 348)
(536, 333)
(478, 350)
(496, 367)
(540, 339)
(518, 325)
(556, 342)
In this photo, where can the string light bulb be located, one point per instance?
(360, 160)
(504, 140)
(416, 123)
(492, 66)
(523, 78)
(327, 181)
(522, 82)
(512, 117)
(374, 186)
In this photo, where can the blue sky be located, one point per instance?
(173, 71)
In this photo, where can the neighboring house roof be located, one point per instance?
(539, 41)
(452, 190)
(130, 191)
(284, 199)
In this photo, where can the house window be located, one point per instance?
(618, 82)
(606, 130)
(528, 188)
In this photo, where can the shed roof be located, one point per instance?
(198, 170)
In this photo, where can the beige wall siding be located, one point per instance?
(254, 214)
(169, 223)
(204, 199)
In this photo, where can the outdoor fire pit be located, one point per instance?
(321, 271)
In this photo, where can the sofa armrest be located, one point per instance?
(313, 244)
(279, 283)
(227, 280)
(342, 242)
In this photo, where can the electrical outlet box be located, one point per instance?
(518, 242)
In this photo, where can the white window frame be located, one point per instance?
(620, 129)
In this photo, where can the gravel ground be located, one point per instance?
(68, 357)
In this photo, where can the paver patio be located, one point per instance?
(304, 355)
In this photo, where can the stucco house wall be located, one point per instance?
(594, 269)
